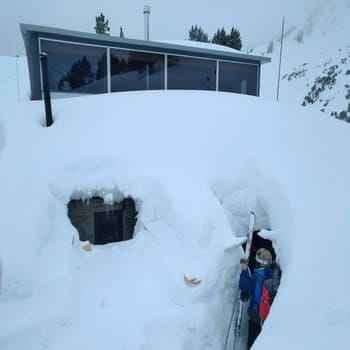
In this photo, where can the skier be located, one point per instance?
(251, 287)
(257, 243)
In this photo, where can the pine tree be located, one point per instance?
(102, 25)
(102, 67)
(121, 33)
(234, 39)
(299, 37)
(270, 47)
(80, 73)
(220, 37)
(196, 33)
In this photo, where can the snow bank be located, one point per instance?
(196, 163)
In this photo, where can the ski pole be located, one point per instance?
(229, 326)
(238, 322)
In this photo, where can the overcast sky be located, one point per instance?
(258, 20)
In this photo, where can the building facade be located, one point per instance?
(84, 63)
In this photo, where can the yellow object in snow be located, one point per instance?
(87, 247)
(192, 282)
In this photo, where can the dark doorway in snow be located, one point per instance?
(257, 243)
(101, 223)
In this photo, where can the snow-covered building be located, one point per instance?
(85, 63)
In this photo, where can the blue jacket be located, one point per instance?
(253, 284)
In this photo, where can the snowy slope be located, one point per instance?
(315, 69)
(196, 167)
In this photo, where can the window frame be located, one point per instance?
(257, 75)
(161, 56)
(213, 61)
(165, 54)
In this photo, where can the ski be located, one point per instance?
(238, 321)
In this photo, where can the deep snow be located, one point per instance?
(196, 164)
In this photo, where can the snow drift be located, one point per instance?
(196, 163)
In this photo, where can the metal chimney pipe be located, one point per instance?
(146, 12)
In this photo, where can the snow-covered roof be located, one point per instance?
(216, 52)
(198, 44)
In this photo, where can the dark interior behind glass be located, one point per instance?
(133, 70)
(76, 68)
(238, 77)
(191, 73)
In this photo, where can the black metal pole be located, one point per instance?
(46, 88)
(279, 67)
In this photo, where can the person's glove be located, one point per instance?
(244, 296)
(244, 264)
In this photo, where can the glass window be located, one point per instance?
(191, 73)
(132, 70)
(108, 226)
(76, 68)
(238, 77)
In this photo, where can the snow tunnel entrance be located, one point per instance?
(101, 223)
(257, 243)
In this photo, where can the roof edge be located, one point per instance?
(108, 40)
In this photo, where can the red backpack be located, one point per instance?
(265, 303)
(268, 293)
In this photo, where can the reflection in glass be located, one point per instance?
(132, 70)
(191, 73)
(82, 69)
(238, 77)
(76, 68)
